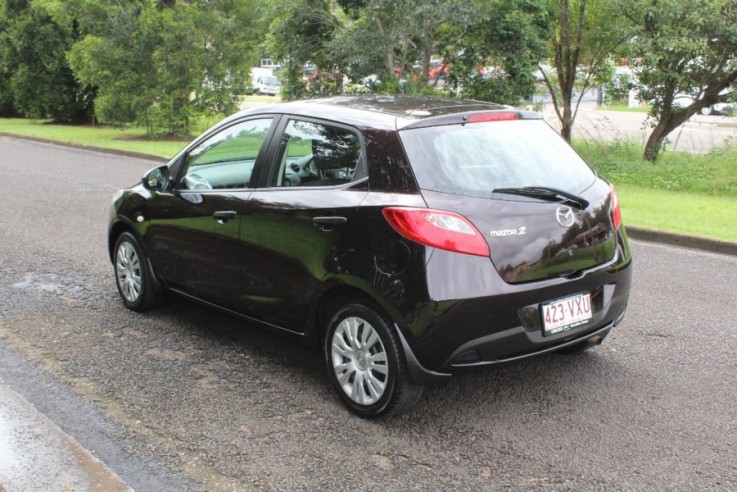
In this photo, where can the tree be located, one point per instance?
(35, 78)
(377, 41)
(392, 41)
(299, 34)
(160, 63)
(684, 47)
(493, 49)
(7, 107)
(581, 36)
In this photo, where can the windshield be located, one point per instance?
(270, 80)
(475, 158)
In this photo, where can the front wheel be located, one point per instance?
(366, 363)
(136, 282)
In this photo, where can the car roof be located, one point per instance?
(387, 112)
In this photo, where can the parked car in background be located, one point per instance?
(310, 73)
(682, 100)
(406, 238)
(725, 108)
(438, 70)
(266, 84)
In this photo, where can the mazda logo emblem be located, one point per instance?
(564, 216)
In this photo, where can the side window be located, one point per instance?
(226, 159)
(314, 154)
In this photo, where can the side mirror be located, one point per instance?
(157, 179)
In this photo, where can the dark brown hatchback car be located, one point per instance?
(408, 238)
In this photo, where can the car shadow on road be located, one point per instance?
(251, 358)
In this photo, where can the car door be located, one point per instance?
(194, 233)
(297, 225)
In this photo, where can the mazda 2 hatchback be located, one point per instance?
(407, 238)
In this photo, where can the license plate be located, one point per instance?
(564, 314)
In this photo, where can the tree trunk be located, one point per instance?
(566, 129)
(566, 121)
(667, 123)
(654, 142)
(389, 65)
(425, 76)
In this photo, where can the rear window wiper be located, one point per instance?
(545, 193)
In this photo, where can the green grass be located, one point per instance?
(253, 98)
(624, 108)
(683, 193)
(685, 213)
(129, 139)
(714, 173)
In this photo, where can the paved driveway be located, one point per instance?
(699, 134)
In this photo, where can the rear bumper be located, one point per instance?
(484, 351)
(527, 340)
(472, 351)
(505, 324)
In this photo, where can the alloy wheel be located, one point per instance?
(360, 361)
(128, 269)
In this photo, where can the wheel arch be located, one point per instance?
(116, 230)
(341, 294)
(329, 301)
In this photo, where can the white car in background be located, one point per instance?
(725, 108)
(266, 84)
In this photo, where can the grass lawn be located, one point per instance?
(685, 213)
(130, 139)
(623, 107)
(253, 98)
(684, 193)
(713, 174)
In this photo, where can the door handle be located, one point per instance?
(223, 216)
(328, 223)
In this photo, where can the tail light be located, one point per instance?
(437, 228)
(615, 210)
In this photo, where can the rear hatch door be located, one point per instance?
(534, 240)
(539, 206)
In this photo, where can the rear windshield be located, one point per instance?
(475, 158)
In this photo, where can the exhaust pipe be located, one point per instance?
(595, 340)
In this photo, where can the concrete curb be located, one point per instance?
(640, 233)
(683, 240)
(36, 454)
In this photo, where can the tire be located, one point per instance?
(138, 287)
(366, 363)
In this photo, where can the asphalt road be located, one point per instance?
(184, 398)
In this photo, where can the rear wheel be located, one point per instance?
(136, 283)
(366, 363)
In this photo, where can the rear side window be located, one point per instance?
(315, 154)
(475, 158)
